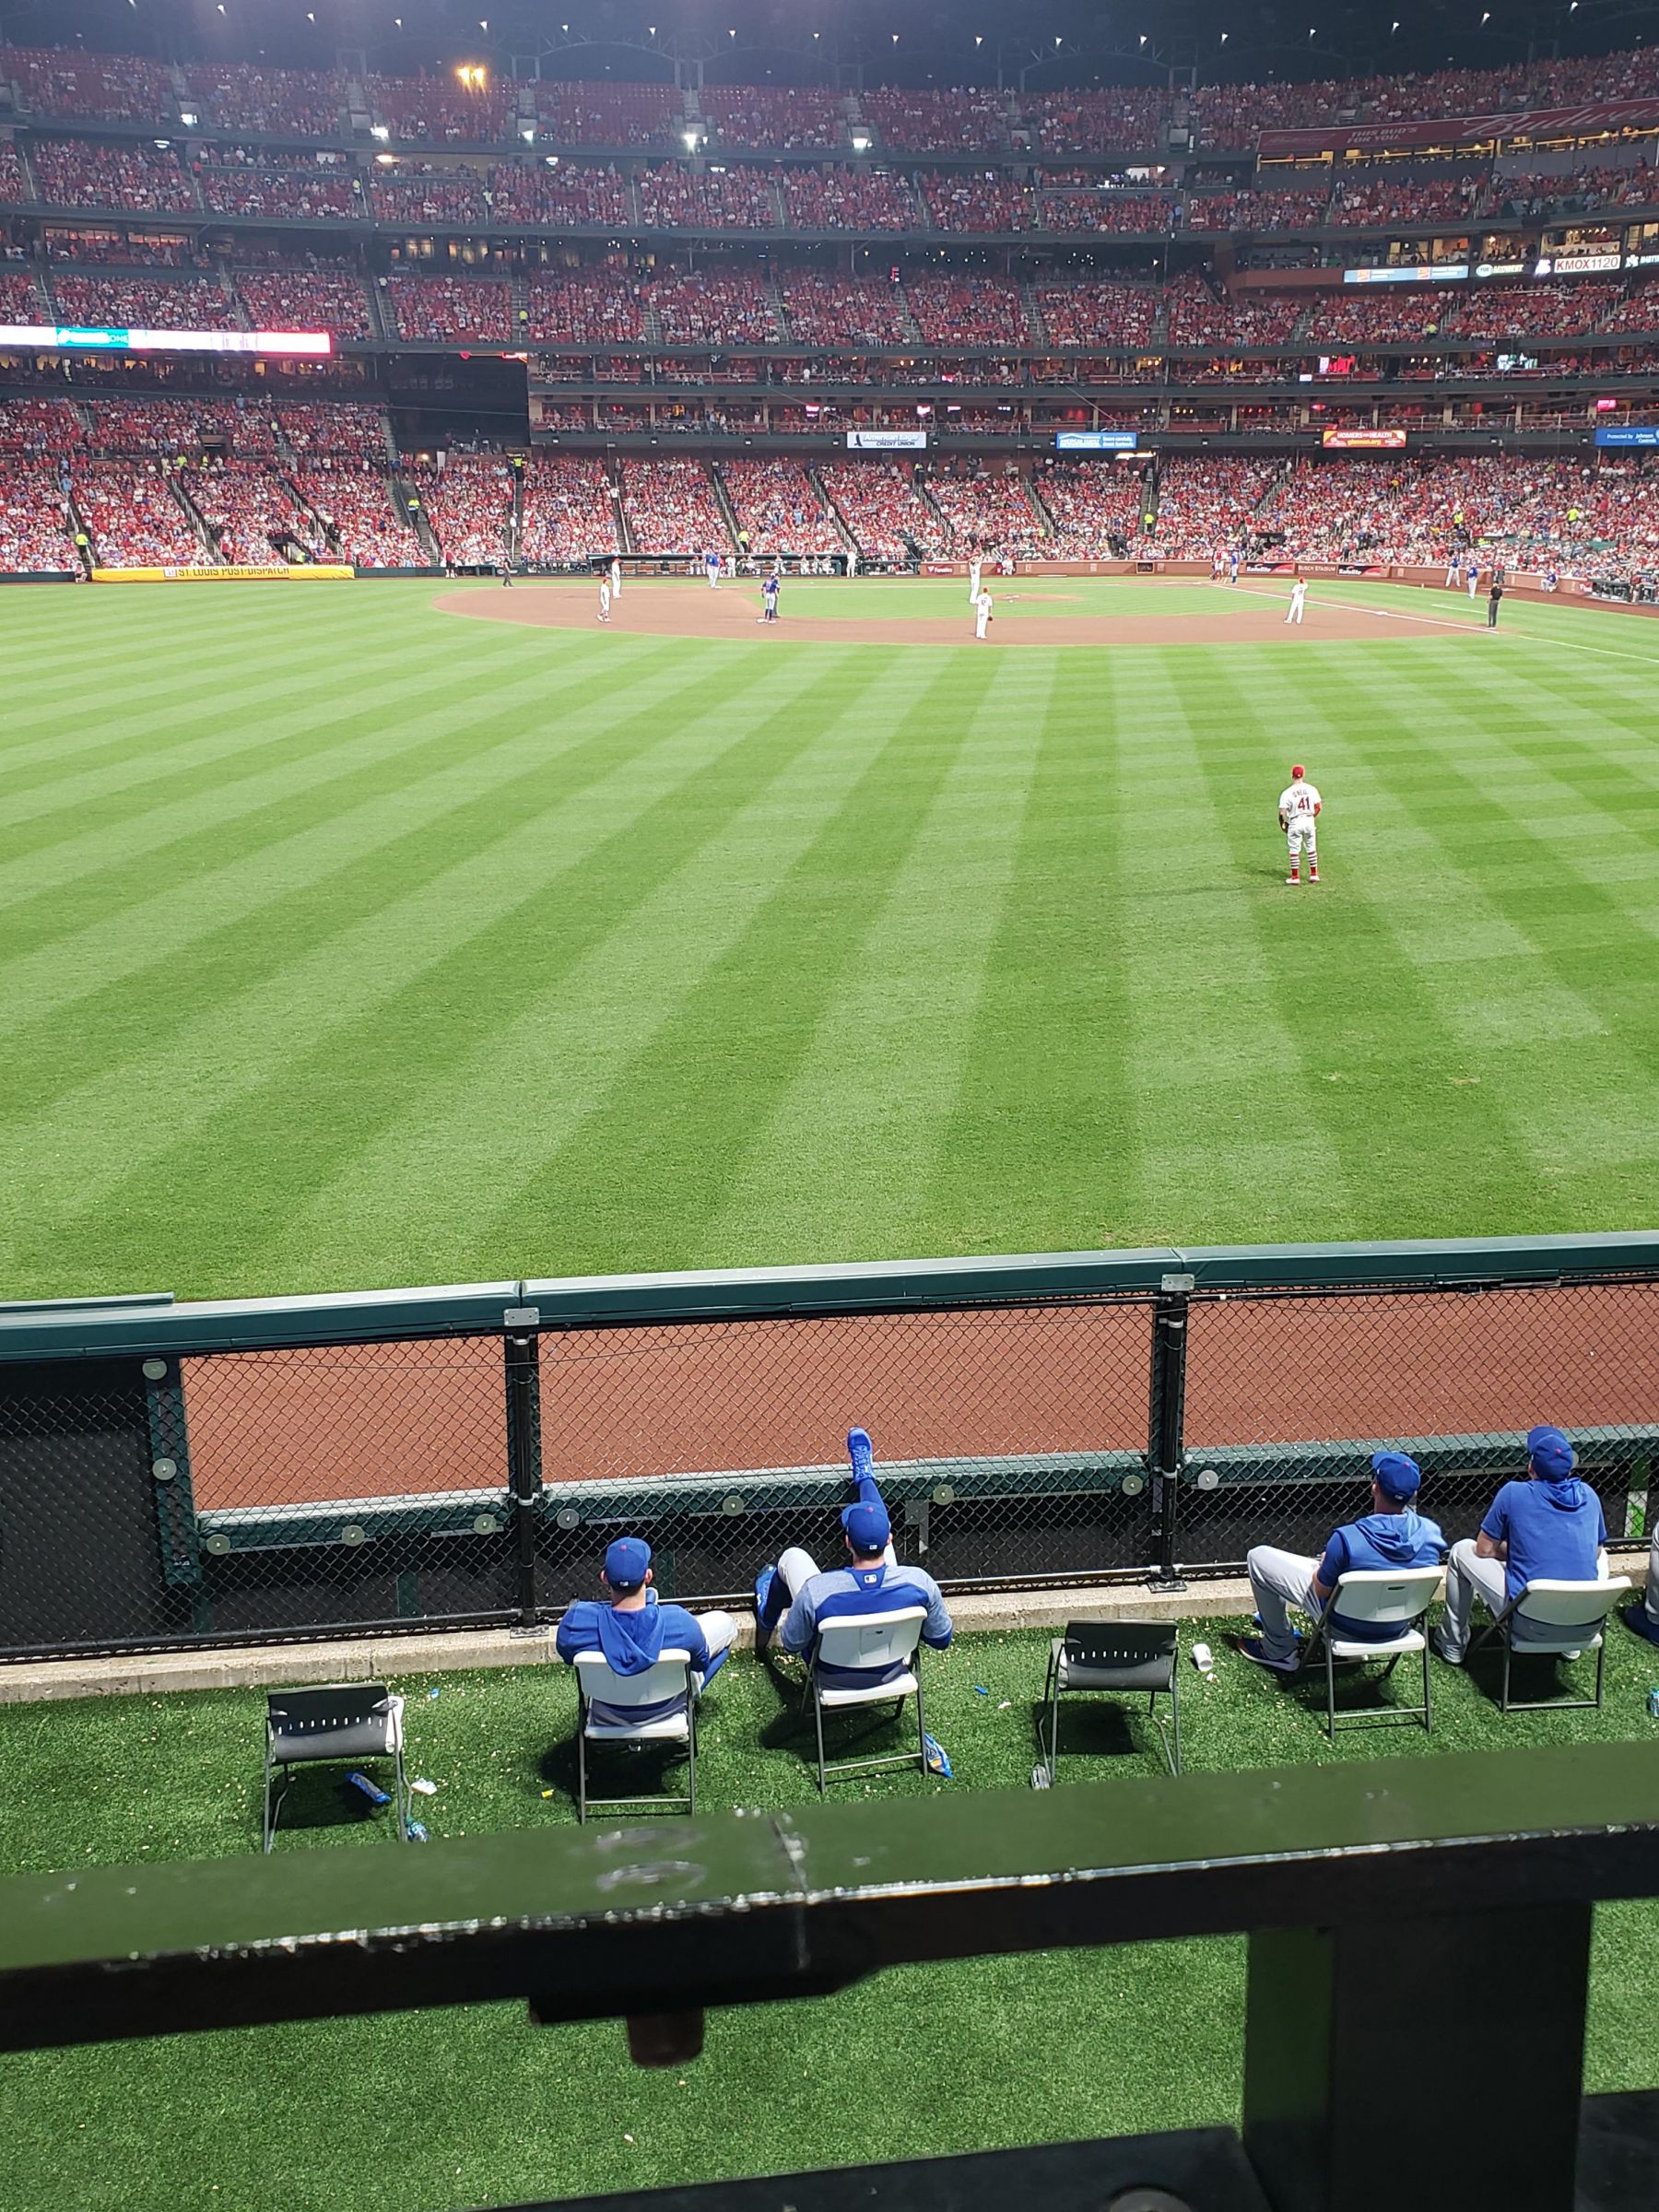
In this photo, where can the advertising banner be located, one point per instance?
(243, 575)
(1628, 433)
(46, 338)
(1096, 441)
(1365, 441)
(886, 442)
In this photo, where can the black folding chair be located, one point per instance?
(1112, 1656)
(352, 1720)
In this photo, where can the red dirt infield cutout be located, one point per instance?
(385, 1420)
(676, 610)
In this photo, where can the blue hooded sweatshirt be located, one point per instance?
(1553, 1530)
(632, 1643)
(1374, 1544)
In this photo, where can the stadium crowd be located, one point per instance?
(1095, 507)
(595, 308)
(467, 501)
(568, 512)
(880, 505)
(451, 310)
(670, 506)
(778, 509)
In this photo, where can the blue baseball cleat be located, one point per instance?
(862, 1452)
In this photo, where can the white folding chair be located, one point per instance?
(871, 1643)
(1392, 1598)
(605, 1699)
(1555, 1619)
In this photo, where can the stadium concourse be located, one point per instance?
(1358, 322)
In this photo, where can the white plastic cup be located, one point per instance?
(1202, 1658)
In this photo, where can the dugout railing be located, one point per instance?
(1364, 1890)
(178, 1473)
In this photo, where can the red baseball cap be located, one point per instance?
(1298, 770)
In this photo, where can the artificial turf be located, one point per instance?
(347, 943)
(475, 2106)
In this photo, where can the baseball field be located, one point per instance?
(347, 939)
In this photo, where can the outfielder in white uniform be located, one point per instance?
(604, 598)
(975, 570)
(1298, 599)
(1298, 811)
(981, 614)
(615, 580)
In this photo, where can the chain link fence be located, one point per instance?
(255, 1492)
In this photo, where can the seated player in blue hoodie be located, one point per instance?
(795, 1596)
(1545, 1528)
(633, 1631)
(1391, 1534)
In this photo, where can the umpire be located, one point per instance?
(1494, 598)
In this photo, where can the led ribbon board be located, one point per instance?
(43, 337)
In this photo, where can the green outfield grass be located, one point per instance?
(343, 942)
(477, 2106)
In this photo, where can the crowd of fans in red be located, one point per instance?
(672, 508)
(145, 304)
(777, 506)
(451, 310)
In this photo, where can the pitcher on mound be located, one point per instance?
(1298, 812)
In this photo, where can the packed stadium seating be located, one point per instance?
(1107, 314)
(1122, 120)
(1197, 317)
(331, 299)
(715, 310)
(580, 194)
(838, 198)
(20, 297)
(593, 309)
(306, 103)
(777, 505)
(251, 511)
(34, 426)
(1208, 502)
(671, 507)
(456, 310)
(1104, 210)
(1380, 316)
(1095, 507)
(1547, 310)
(978, 201)
(413, 193)
(623, 116)
(936, 123)
(974, 310)
(75, 172)
(841, 310)
(319, 430)
(291, 187)
(172, 429)
(1255, 210)
(468, 502)
(441, 110)
(986, 507)
(361, 521)
(569, 513)
(779, 117)
(712, 199)
(56, 81)
(133, 517)
(34, 536)
(146, 303)
(880, 505)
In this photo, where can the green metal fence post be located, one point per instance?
(1167, 1421)
(524, 1449)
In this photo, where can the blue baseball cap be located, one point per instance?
(1551, 1453)
(867, 1526)
(627, 1562)
(1397, 1476)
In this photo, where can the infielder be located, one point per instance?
(1474, 580)
(1298, 599)
(1453, 571)
(981, 615)
(1298, 811)
(616, 578)
(604, 597)
(976, 569)
(711, 564)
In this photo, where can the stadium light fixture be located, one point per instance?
(188, 117)
(380, 131)
(529, 134)
(861, 142)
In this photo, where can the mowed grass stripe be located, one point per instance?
(1211, 1046)
(240, 927)
(1590, 1126)
(351, 1018)
(377, 753)
(1036, 1149)
(1407, 1094)
(482, 1133)
(292, 859)
(854, 1135)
